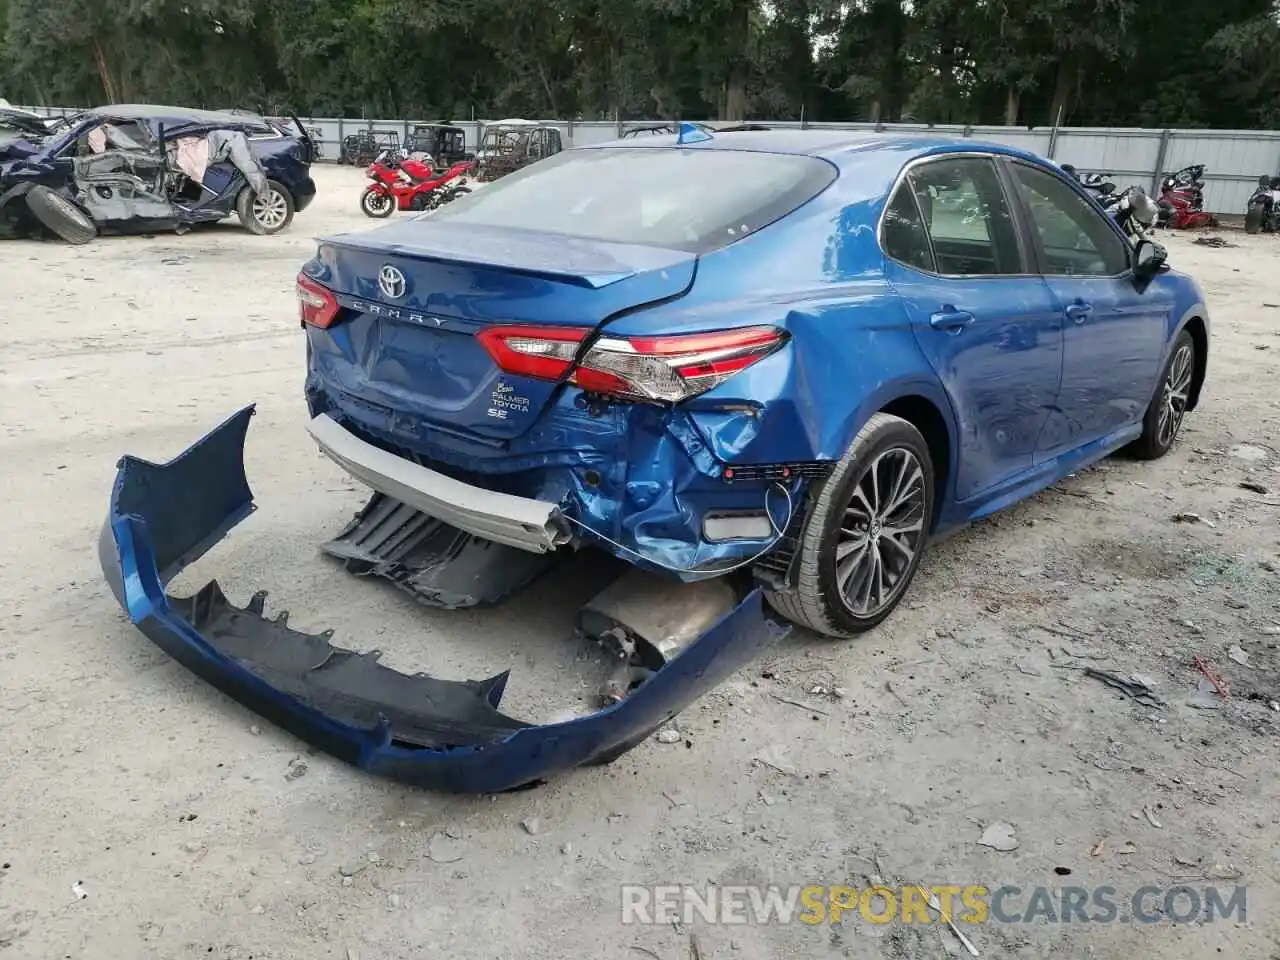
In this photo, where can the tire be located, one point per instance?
(1159, 433)
(1253, 218)
(377, 203)
(888, 444)
(448, 196)
(60, 216)
(266, 214)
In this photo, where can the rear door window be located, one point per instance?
(968, 218)
(904, 235)
(696, 199)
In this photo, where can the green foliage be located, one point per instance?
(1029, 62)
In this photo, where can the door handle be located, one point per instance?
(951, 319)
(1079, 312)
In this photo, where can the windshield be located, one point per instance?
(697, 200)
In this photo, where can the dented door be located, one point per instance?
(991, 331)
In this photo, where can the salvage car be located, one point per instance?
(511, 145)
(765, 370)
(360, 149)
(130, 169)
(444, 143)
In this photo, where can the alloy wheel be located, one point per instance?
(881, 532)
(270, 209)
(1174, 396)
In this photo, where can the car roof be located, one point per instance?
(842, 147)
(21, 117)
(874, 159)
(172, 115)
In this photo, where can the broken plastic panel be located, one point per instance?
(447, 735)
(433, 562)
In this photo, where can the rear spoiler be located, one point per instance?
(583, 263)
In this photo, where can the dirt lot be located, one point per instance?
(195, 832)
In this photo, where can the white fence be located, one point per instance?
(1233, 159)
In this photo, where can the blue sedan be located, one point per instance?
(803, 351)
(763, 368)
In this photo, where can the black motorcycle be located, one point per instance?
(1263, 209)
(1132, 209)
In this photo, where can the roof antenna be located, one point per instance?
(691, 133)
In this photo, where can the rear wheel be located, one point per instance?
(377, 203)
(865, 532)
(1164, 416)
(267, 212)
(60, 216)
(1253, 218)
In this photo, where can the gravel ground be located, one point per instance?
(198, 830)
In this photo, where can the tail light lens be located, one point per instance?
(668, 368)
(543, 353)
(317, 305)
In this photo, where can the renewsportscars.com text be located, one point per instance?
(973, 904)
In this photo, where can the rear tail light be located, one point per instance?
(544, 353)
(316, 303)
(668, 368)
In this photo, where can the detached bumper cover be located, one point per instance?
(516, 521)
(441, 734)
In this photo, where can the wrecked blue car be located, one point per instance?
(145, 169)
(764, 368)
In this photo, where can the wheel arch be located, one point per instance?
(279, 184)
(925, 405)
(1195, 325)
(923, 414)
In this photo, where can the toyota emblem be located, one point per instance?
(391, 282)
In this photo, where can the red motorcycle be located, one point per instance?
(1181, 201)
(407, 183)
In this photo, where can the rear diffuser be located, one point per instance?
(442, 734)
(435, 563)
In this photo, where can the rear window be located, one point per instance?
(697, 200)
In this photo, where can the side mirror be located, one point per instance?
(1148, 258)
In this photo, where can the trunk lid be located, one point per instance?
(409, 344)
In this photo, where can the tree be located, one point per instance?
(939, 61)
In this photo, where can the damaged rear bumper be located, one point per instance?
(522, 522)
(441, 734)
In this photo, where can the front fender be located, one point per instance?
(418, 729)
